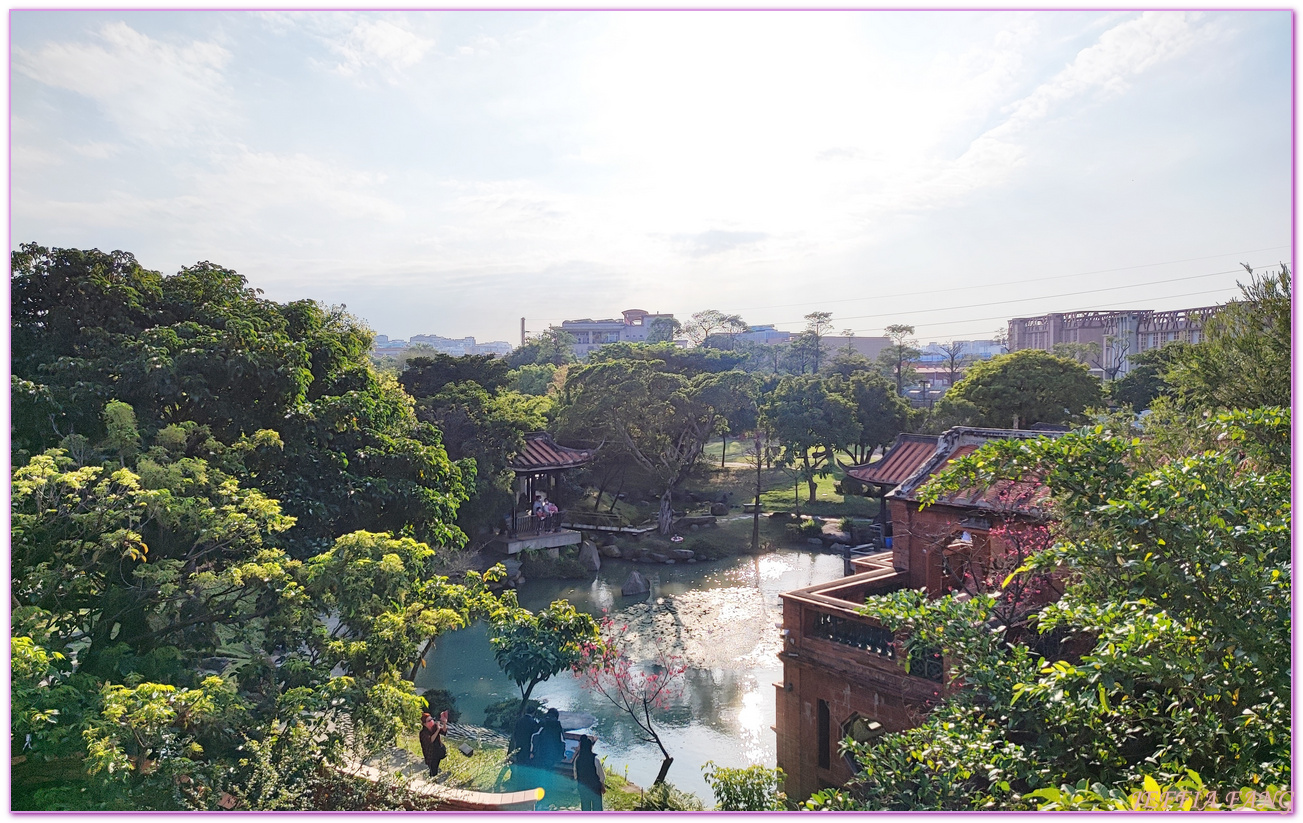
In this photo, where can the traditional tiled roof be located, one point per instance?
(541, 453)
(1025, 496)
(903, 459)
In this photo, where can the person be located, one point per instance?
(539, 509)
(432, 749)
(550, 512)
(522, 737)
(549, 743)
(590, 775)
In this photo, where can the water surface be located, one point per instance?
(720, 617)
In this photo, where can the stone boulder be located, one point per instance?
(588, 556)
(610, 550)
(719, 509)
(682, 554)
(635, 584)
(657, 557)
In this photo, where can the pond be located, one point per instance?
(720, 617)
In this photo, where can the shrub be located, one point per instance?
(805, 528)
(753, 789)
(663, 797)
(706, 549)
(541, 567)
(503, 714)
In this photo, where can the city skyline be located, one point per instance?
(451, 172)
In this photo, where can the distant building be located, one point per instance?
(460, 346)
(1118, 334)
(765, 335)
(972, 350)
(634, 327)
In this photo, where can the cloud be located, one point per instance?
(379, 44)
(155, 92)
(716, 241)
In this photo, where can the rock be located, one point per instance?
(512, 565)
(719, 509)
(554, 553)
(669, 562)
(588, 556)
(635, 584)
(608, 539)
(610, 550)
(814, 541)
(657, 557)
(696, 520)
(682, 554)
(694, 527)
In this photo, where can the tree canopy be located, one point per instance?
(1024, 388)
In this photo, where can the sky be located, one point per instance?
(452, 172)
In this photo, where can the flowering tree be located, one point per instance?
(999, 566)
(637, 689)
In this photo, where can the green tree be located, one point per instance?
(662, 418)
(531, 647)
(1246, 359)
(812, 421)
(880, 412)
(1024, 388)
(664, 330)
(425, 376)
(896, 358)
(1145, 382)
(752, 789)
(552, 346)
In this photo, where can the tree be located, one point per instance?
(553, 346)
(1145, 381)
(664, 330)
(711, 322)
(532, 647)
(1024, 388)
(425, 376)
(817, 326)
(880, 412)
(636, 690)
(662, 418)
(1246, 358)
(954, 352)
(812, 421)
(896, 358)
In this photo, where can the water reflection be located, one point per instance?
(719, 616)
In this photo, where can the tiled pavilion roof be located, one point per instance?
(542, 453)
(905, 456)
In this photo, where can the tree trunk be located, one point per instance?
(796, 492)
(615, 498)
(666, 517)
(723, 451)
(420, 661)
(755, 516)
(665, 769)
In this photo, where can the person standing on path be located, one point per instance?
(522, 738)
(590, 774)
(432, 749)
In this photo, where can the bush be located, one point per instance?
(805, 528)
(503, 714)
(753, 789)
(847, 525)
(663, 797)
(440, 699)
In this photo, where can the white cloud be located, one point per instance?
(155, 92)
(379, 44)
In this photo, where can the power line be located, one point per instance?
(1025, 299)
(1016, 282)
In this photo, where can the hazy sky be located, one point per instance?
(451, 172)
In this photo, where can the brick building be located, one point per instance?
(841, 673)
